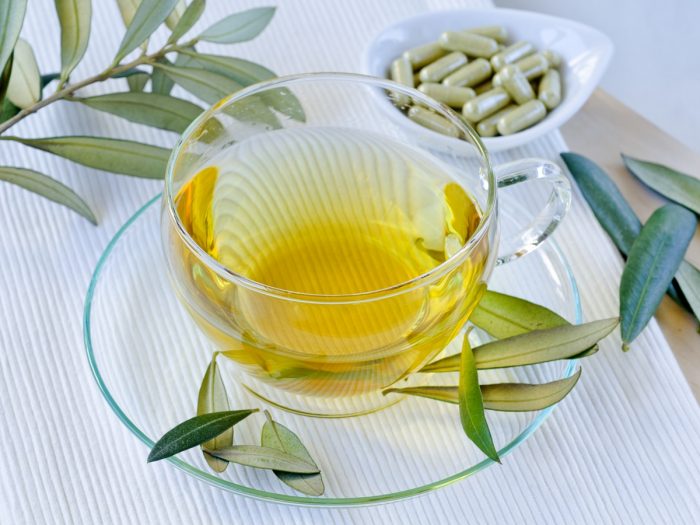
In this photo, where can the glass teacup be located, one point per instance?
(330, 251)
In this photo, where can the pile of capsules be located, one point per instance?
(499, 89)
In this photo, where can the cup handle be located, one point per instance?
(545, 222)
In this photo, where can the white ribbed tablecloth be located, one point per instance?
(623, 448)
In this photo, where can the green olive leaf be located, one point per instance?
(176, 14)
(246, 73)
(275, 435)
(471, 405)
(688, 277)
(152, 109)
(206, 85)
(11, 20)
(672, 184)
(5, 80)
(48, 188)
(137, 83)
(195, 431)
(504, 315)
(148, 16)
(74, 17)
(611, 209)
(653, 260)
(24, 88)
(117, 156)
(501, 397)
(212, 398)
(264, 458)
(160, 82)
(189, 18)
(538, 346)
(239, 27)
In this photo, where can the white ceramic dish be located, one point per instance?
(585, 52)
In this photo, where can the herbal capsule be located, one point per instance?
(469, 75)
(425, 54)
(549, 91)
(442, 67)
(416, 78)
(521, 117)
(452, 96)
(485, 104)
(515, 83)
(430, 120)
(402, 73)
(469, 43)
(483, 88)
(498, 33)
(487, 127)
(533, 66)
(512, 54)
(553, 58)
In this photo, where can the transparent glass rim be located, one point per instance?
(308, 501)
(351, 78)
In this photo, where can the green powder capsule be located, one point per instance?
(515, 83)
(470, 75)
(431, 120)
(469, 43)
(522, 117)
(552, 57)
(425, 54)
(512, 54)
(498, 33)
(488, 126)
(442, 67)
(549, 90)
(486, 104)
(402, 73)
(533, 66)
(455, 97)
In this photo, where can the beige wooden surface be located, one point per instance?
(603, 129)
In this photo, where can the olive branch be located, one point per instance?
(208, 77)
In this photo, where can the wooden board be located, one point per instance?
(603, 129)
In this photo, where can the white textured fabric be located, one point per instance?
(622, 449)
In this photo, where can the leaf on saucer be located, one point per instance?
(213, 398)
(503, 315)
(195, 431)
(502, 397)
(275, 435)
(653, 260)
(471, 405)
(264, 458)
(672, 184)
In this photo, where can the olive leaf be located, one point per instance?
(212, 398)
(160, 82)
(239, 27)
(471, 405)
(501, 397)
(264, 458)
(5, 81)
(11, 19)
(195, 431)
(653, 260)
(117, 156)
(176, 14)
(48, 188)
(137, 83)
(612, 210)
(537, 346)
(504, 315)
(275, 435)
(152, 109)
(688, 277)
(148, 16)
(206, 85)
(189, 18)
(24, 88)
(127, 10)
(74, 17)
(672, 184)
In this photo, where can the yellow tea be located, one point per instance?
(338, 228)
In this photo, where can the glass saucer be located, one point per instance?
(148, 359)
